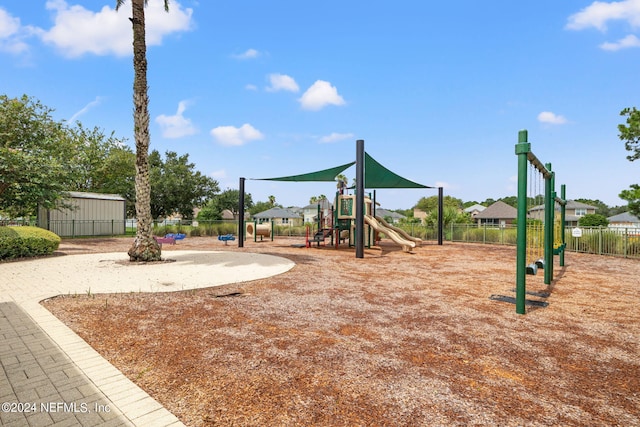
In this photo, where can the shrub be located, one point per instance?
(22, 242)
(195, 231)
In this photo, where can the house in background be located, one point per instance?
(474, 210)
(279, 216)
(419, 214)
(499, 214)
(92, 214)
(390, 216)
(573, 212)
(624, 220)
(322, 207)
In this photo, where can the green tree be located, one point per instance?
(104, 164)
(260, 207)
(428, 204)
(176, 188)
(603, 208)
(630, 132)
(228, 199)
(593, 220)
(144, 247)
(632, 195)
(34, 157)
(451, 214)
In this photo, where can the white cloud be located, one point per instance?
(78, 31)
(251, 87)
(598, 13)
(335, 137)
(13, 33)
(86, 108)
(625, 43)
(219, 174)
(248, 54)
(444, 185)
(279, 82)
(551, 118)
(233, 136)
(176, 126)
(319, 95)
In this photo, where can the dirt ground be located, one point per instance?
(393, 339)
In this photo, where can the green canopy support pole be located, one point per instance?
(522, 150)
(360, 198)
(241, 215)
(440, 215)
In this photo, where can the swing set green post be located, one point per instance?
(523, 148)
(549, 208)
(526, 157)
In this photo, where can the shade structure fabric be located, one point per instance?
(375, 176)
(318, 176)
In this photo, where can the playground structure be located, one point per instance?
(343, 228)
(536, 244)
(253, 230)
(376, 176)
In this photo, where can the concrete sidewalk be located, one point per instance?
(50, 376)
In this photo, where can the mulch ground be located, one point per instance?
(393, 339)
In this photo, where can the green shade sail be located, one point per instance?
(375, 176)
(323, 175)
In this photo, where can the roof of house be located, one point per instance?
(498, 210)
(571, 204)
(276, 213)
(227, 214)
(475, 207)
(391, 214)
(624, 217)
(324, 204)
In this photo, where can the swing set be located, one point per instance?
(540, 232)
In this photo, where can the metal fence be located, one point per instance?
(610, 241)
(77, 228)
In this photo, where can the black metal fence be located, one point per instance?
(610, 241)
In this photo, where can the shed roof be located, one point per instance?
(97, 196)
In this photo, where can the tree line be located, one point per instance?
(42, 159)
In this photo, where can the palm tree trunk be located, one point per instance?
(144, 247)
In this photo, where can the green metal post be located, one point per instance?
(522, 149)
(563, 196)
(549, 209)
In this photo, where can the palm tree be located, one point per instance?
(144, 247)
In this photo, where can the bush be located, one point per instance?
(162, 230)
(22, 242)
(195, 231)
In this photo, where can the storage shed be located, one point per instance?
(93, 214)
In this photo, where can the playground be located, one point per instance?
(394, 338)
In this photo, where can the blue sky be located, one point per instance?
(258, 89)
